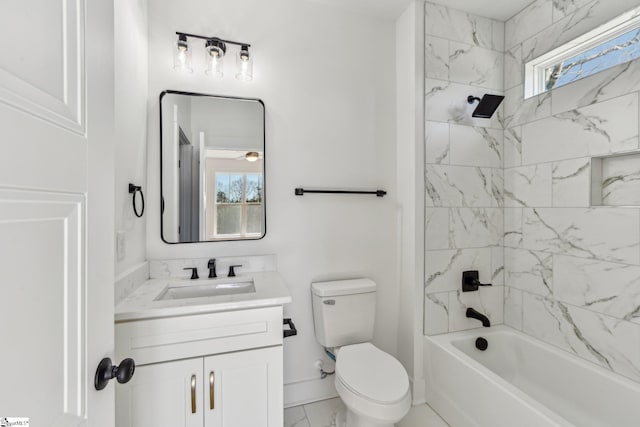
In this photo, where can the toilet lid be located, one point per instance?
(372, 373)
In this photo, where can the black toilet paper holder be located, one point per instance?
(292, 328)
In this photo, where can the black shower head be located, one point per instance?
(487, 105)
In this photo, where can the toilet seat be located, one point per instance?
(372, 374)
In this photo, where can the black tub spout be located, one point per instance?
(477, 315)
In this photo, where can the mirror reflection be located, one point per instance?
(212, 167)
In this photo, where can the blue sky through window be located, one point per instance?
(619, 50)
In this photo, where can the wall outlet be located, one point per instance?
(121, 247)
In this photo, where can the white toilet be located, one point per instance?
(373, 385)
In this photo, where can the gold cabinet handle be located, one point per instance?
(193, 394)
(212, 400)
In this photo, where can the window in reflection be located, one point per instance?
(236, 210)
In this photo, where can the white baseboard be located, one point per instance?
(302, 392)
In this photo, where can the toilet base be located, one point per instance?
(346, 418)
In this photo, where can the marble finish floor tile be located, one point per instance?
(322, 414)
(422, 416)
(296, 417)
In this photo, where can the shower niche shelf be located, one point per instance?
(615, 180)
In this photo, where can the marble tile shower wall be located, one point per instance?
(463, 174)
(571, 272)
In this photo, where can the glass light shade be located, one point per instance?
(214, 66)
(213, 57)
(182, 55)
(244, 61)
(252, 156)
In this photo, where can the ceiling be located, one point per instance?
(496, 9)
(391, 9)
(388, 9)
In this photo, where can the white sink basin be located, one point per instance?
(203, 290)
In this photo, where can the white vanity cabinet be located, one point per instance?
(244, 389)
(219, 369)
(161, 396)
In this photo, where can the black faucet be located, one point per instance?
(194, 272)
(211, 265)
(477, 315)
(232, 271)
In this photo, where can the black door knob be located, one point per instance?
(106, 372)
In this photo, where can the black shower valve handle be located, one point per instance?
(471, 281)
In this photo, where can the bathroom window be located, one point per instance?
(238, 204)
(611, 44)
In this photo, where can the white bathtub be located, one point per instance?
(520, 382)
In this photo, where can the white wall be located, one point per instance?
(228, 124)
(326, 76)
(130, 18)
(410, 167)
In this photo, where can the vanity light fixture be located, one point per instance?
(215, 50)
(244, 61)
(252, 156)
(213, 56)
(182, 54)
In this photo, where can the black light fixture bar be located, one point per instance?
(196, 36)
(302, 191)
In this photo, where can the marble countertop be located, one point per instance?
(141, 304)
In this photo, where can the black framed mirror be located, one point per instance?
(212, 168)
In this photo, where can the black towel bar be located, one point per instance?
(302, 191)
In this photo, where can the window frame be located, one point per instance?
(534, 77)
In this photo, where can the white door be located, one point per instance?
(56, 210)
(244, 389)
(163, 394)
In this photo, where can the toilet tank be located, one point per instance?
(344, 311)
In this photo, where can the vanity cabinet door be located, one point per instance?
(244, 389)
(164, 394)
